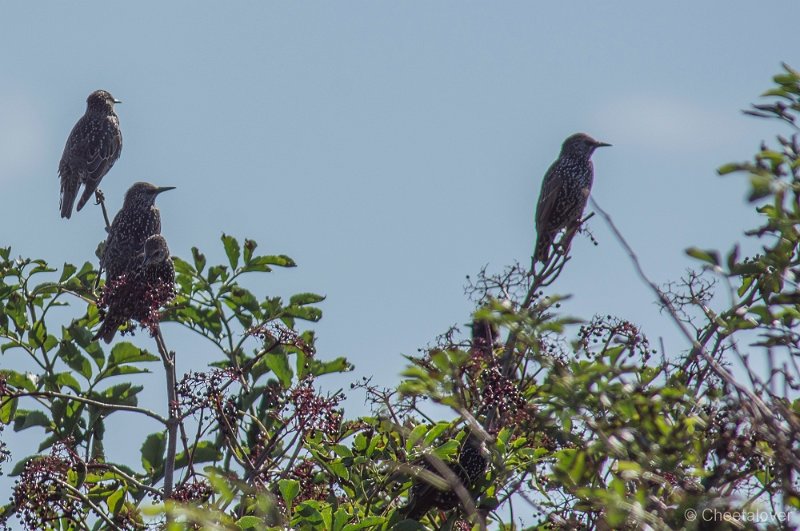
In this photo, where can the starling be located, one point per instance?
(139, 293)
(92, 149)
(484, 338)
(469, 469)
(565, 190)
(137, 220)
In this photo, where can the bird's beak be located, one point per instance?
(601, 144)
(164, 189)
(117, 101)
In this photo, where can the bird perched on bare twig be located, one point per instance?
(137, 220)
(565, 191)
(139, 293)
(468, 470)
(92, 149)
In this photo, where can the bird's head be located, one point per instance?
(581, 144)
(101, 100)
(155, 250)
(144, 193)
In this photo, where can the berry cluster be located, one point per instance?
(192, 491)
(501, 393)
(201, 390)
(41, 494)
(274, 334)
(312, 411)
(603, 330)
(310, 488)
(134, 297)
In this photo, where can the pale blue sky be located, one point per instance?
(391, 148)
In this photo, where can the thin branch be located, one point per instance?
(168, 359)
(97, 403)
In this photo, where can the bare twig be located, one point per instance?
(168, 358)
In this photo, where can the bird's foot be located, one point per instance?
(100, 199)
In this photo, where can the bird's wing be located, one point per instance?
(72, 166)
(101, 154)
(104, 150)
(547, 199)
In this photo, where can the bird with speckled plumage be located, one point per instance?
(137, 220)
(139, 293)
(468, 469)
(92, 148)
(565, 191)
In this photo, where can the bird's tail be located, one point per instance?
(543, 244)
(69, 191)
(107, 330)
(88, 192)
(414, 510)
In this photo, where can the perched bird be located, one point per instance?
(469, 469)
(139, 293)
(565, 191)
(484, 338)
(137, 220)
(92, 149)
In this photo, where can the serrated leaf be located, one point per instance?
(115, 500)
(67, 272)
(203, 452)
(19, 468)
(125, 352)
(8, 407)
(26, 419)
(152, 452)
(249, 522)
(66, 379)
(74, 359)
(301, 299)
(415, 435)
(711, 256)
(232, 250)
(279, 365)
(249, 247)
(289, 488)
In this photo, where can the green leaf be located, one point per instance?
(25, 419)
(153, 453)
(364, 523)
(339, 519)
(279, 364)
(301, 299)
(203, 452)
(728, 168)
(409, 525)
(115, 500)
(21, 464)
(447, 449)
(199, 259)
(711, 256)
(67, 272)
(280, 260)
(289, 488)
(250, 522)
(231, 250)
(125, 352)
(7, 409)
(76, 361)
(66, 379)
(182, 267)
(318, 368)
(415, 435)
(249, 247)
